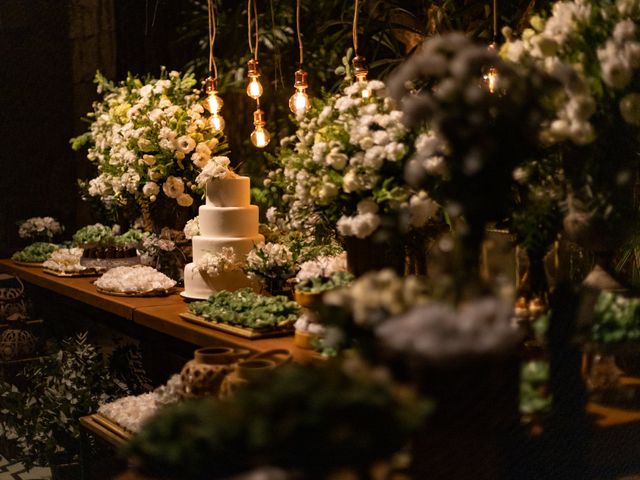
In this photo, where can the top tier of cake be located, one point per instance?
(229, 192)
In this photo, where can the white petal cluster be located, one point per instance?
(376, 296)
(439, 332)
(133, 411)
(558, 46)
(142, 136)
(136, 279)
(269, 256)
(363, 224)
(217, 167)
(192, 228)
(40, 227)
(349, 150)
(215, 264)
(65, 260)
(307, 322)
(322, 267)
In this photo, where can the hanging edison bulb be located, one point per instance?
(213, 103)
(216, 122)
(360, 70)
(490, 75)
(299, 101)
(254, 89)
(260, 137)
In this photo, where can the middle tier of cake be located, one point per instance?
(229, 221)
(241, 245)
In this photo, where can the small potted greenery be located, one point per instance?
(35, 254)
(42, 415)
(320, 275)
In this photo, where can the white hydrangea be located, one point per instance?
(192, 228)
(267, 256)
(44, 227)
(215, 264)
(322, 267)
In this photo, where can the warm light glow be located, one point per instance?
(260, 137)
(361, 77)
(491, 79)
(299, 102)
(217, 122)
(213, 103)
(254, 89)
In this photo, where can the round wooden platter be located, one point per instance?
(27, 264)
(88, 273)
(148, 293)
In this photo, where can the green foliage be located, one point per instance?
(300, 418)
(534, 398)
(61, 388)
(320, 285)
(35, 253)
(96, 234)
(616, 320)
(246, 308)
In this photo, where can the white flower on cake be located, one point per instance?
(134, 279)
(214, 264)
(217, 167)
(192, 228)
(65, 260)
(40, 227)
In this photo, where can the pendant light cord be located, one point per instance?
(251, 5)
(213, 69)
(299, 34)
(355, 28)
(495, 20)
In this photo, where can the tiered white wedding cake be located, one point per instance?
(227, 220)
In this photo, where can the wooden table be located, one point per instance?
(160, 314)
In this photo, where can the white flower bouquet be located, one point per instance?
(593, 49)
(148, 138)
(40, 228)
(272, 263)
(345, 169)
(215, 264)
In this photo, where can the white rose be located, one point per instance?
(185, 144)
(185, 200)
(150, 188)
(173, 187)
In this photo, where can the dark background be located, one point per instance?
(49, 52)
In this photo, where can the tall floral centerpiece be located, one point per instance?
(592, 47)
(488, 133)
(149, 140)
(343, 173)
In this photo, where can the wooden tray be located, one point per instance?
(150, 293)
(249, 333)
(111, 426)
(88, 273)
(28, 264)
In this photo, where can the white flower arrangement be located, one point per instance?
(593, 48)
(44, 228)
(192, 228)
(322, 267)
(376, 296)
(134, 279)
(217, 167)
(148, 137)
(270, 260)
(215, 264)
(65, 260)
(439, 332)
(347, 164)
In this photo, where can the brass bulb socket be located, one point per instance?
(359, 64)
(257, 118)
(301, 79)
(252, 68)
(210, 85)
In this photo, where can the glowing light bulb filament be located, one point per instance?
(299, 101)
(260, 137)
(491, 79)
(254, 89)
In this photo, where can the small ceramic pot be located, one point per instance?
(305, 299)
(252, 368)
(204, 374)
(17, 341)
(303, 340)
